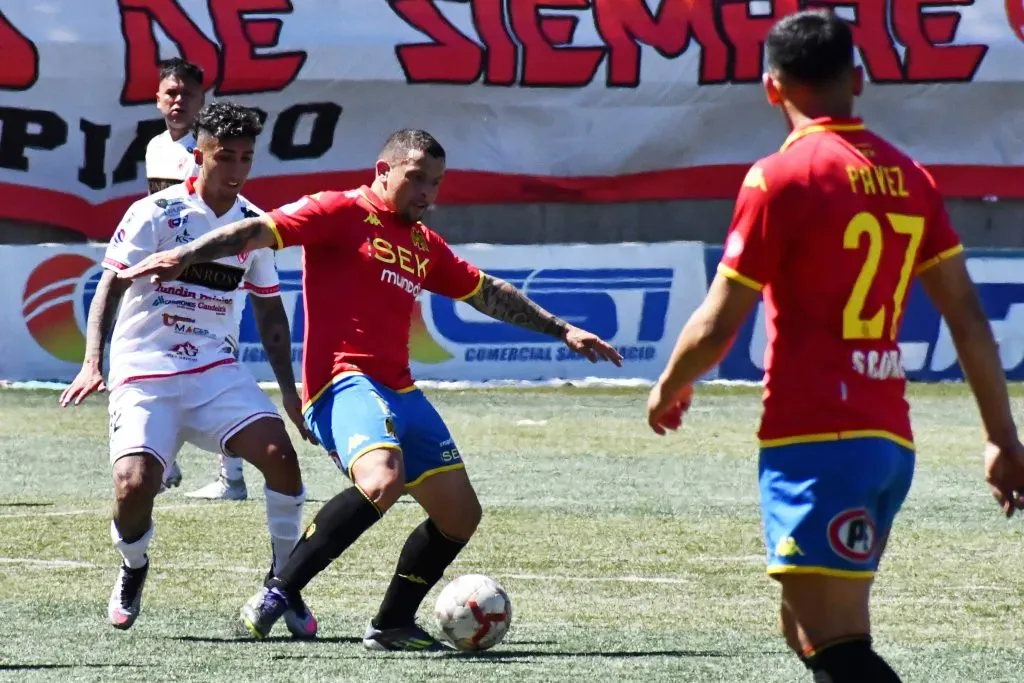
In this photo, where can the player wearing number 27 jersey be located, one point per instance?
(832, 229)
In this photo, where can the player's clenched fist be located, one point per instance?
(665, 407)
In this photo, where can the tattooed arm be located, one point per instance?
(244, 235)
(275, 334)
(102, 312)
(277, 342)
(504, 302)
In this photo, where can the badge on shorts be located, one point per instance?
(852, 535)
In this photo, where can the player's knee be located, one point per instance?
(381, 476)
(136, 479)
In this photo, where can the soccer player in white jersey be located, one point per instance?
(170, 160)
(169, 156)
(174, 376)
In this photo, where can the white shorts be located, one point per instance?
(159, 414)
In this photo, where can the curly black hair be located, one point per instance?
(223, 120)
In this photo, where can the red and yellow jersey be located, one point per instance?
(363, 268)
(833, 228)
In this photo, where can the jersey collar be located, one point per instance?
(821, 125)
(190, 187)
(377, 203)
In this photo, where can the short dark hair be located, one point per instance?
(401, 142)
(178, 67)
(222, 120)
(813, 47)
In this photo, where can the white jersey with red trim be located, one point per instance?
(169, 159)
(190, 324)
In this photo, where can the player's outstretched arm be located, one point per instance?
(950, 288)
(272, 322)
(241, 236)
(109, 291)
(703, 342)
(503, 301)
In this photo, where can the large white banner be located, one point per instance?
(536, 100)
(636, 296)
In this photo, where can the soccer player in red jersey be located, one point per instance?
(831, 230)
(366, 257)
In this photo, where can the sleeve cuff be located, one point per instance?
(473, 292)
(279, 243)
(936, 260)
(728, 272)
(272, 290)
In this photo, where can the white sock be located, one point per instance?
(284, 521)
(230, 467)
(134, 554)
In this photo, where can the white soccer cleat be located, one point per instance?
(126, 598)
(222, 489)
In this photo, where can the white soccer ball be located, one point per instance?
(473, 612)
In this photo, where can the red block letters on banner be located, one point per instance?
(19, 58)
(729, 37)
(231, 67)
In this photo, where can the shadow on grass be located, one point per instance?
(221, 640)
(45, 667)
(26, 505)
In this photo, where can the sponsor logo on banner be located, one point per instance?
(626, 306)
(926, 345)
(54, 300)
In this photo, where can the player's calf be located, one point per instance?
(826, 620)
(454, 513)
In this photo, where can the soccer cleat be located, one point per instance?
(126, 598)
(298, 617)
(172, 478)
(402, 639)
(263, 610)
(222, 489)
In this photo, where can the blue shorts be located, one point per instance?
(828, 506)
(356, 415)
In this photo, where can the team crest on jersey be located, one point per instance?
(852, 535)
(249, 213)
(419, 240)
(171, 207)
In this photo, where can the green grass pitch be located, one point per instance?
(627, 556)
